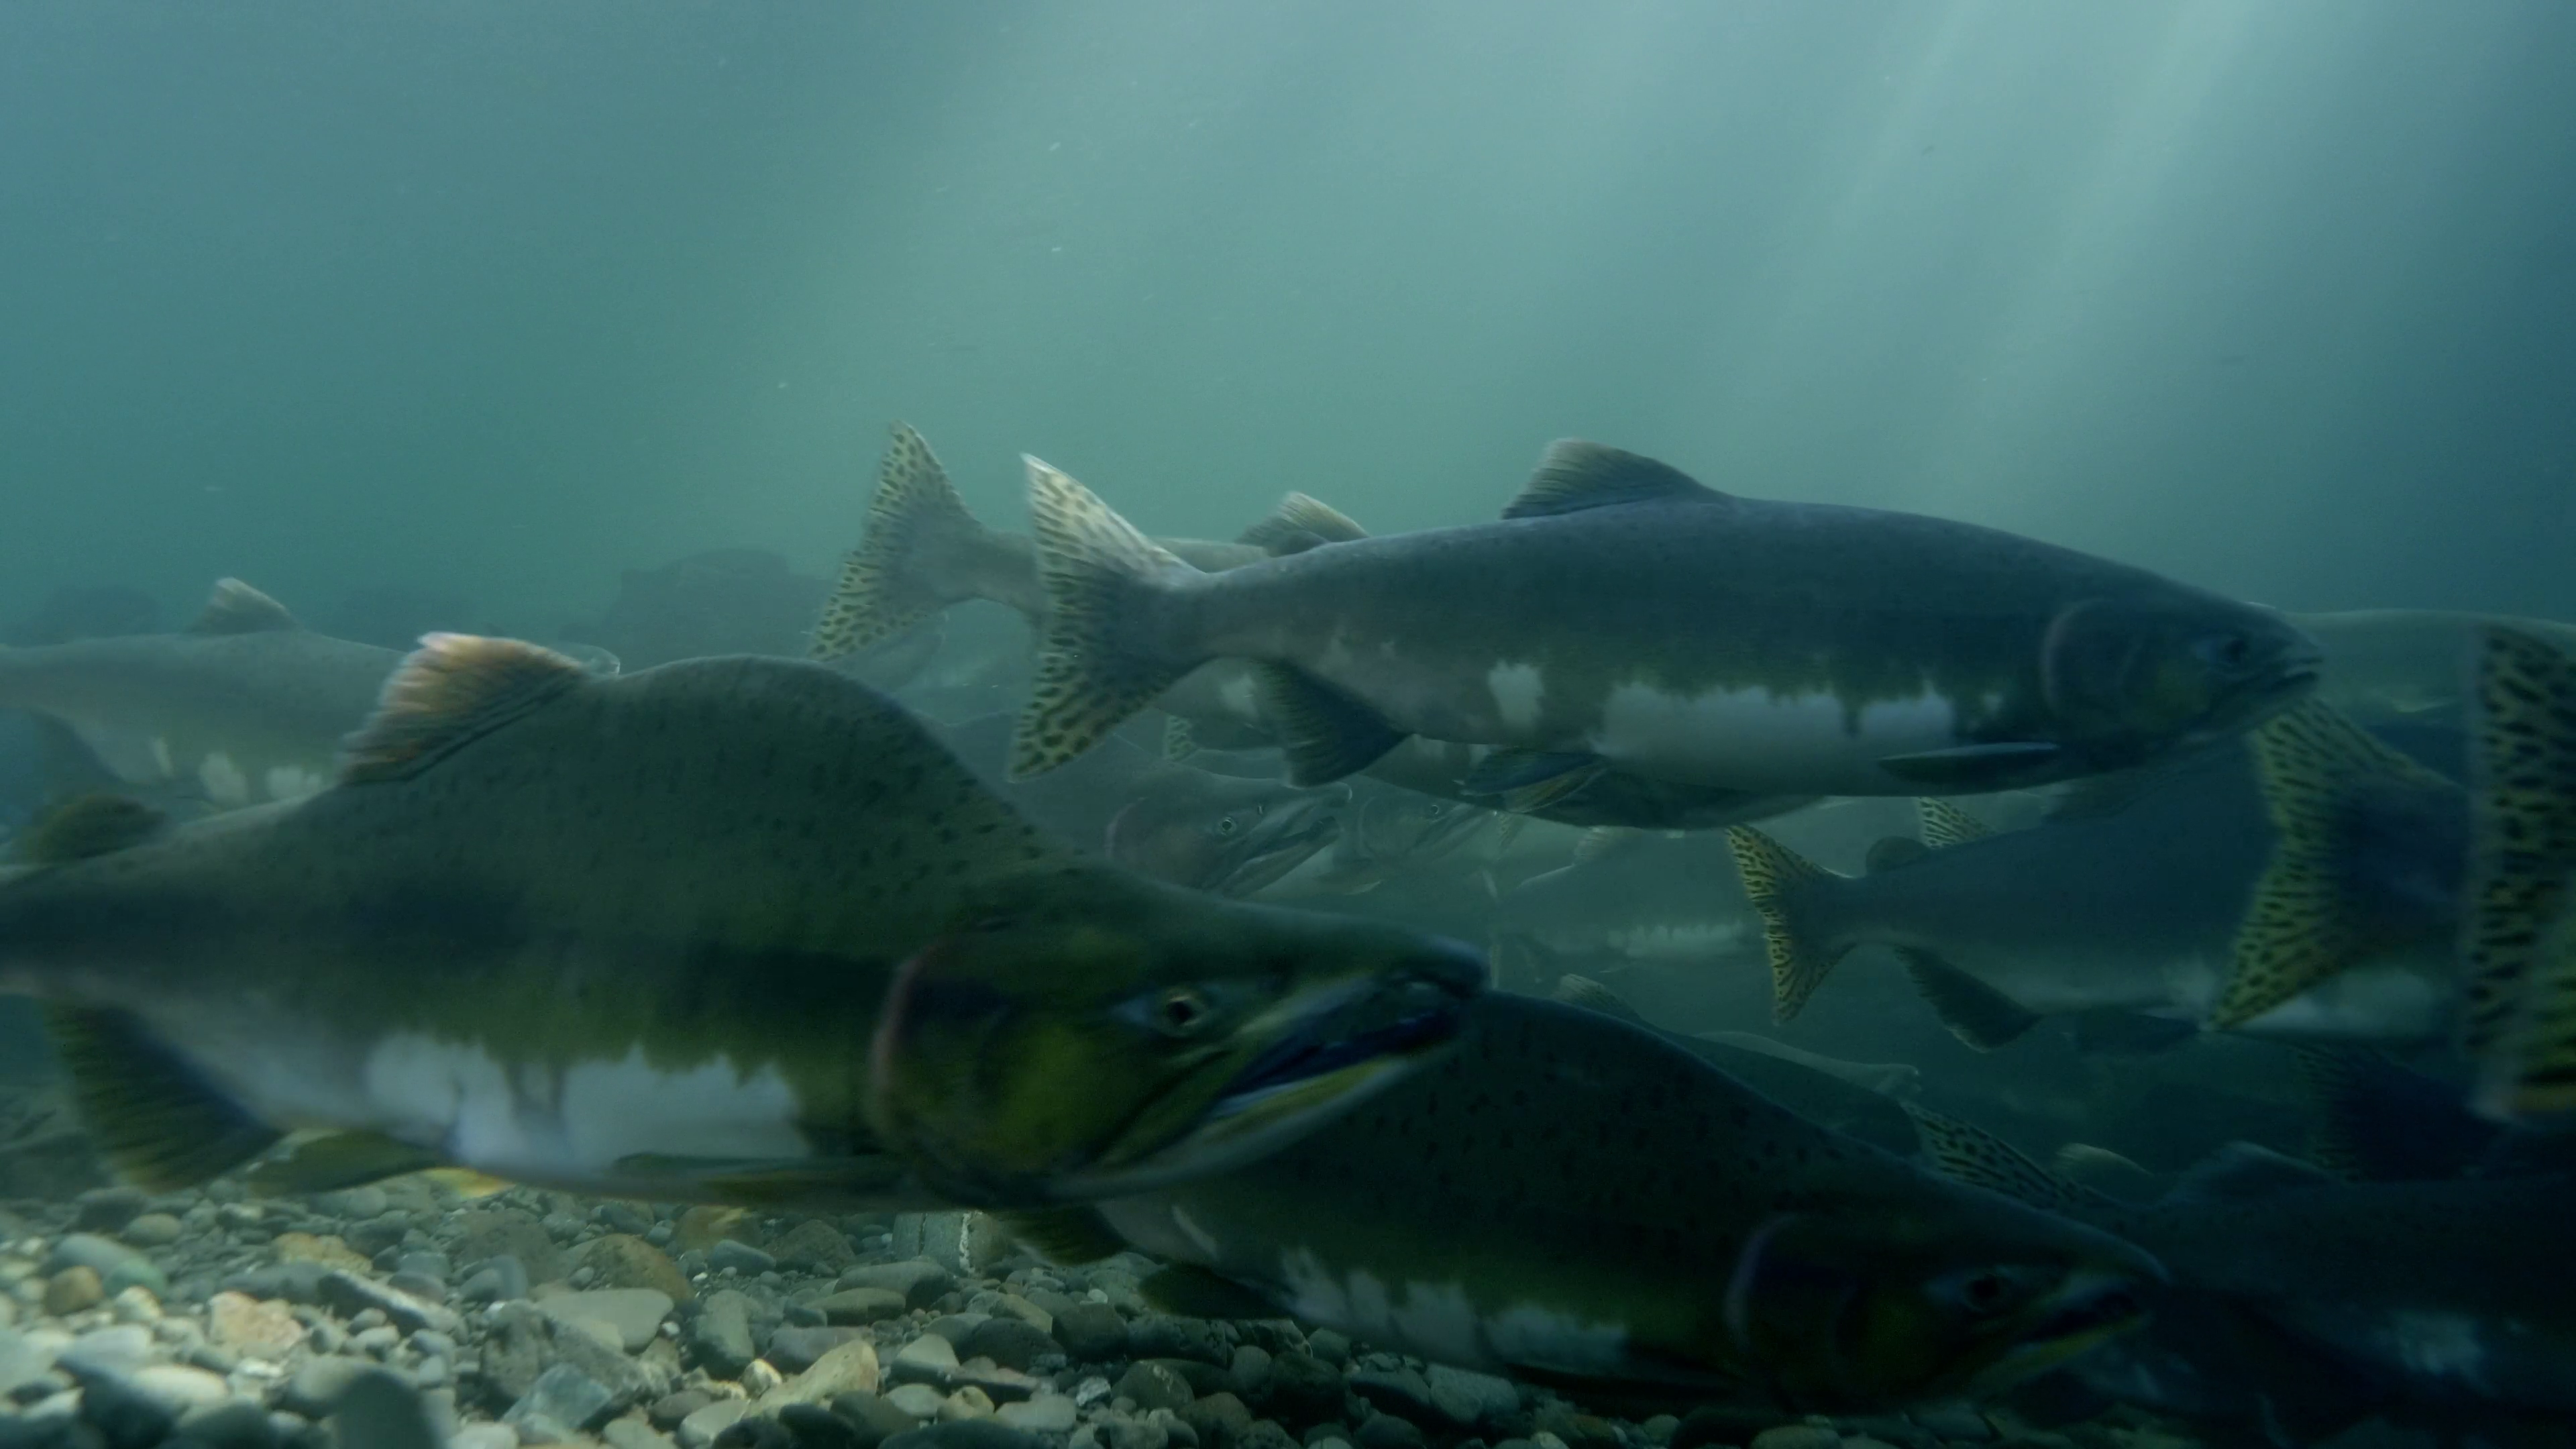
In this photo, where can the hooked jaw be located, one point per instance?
(1339, 1045)
(2093, 1306)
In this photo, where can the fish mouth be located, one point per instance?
(1417, 839)
(1346, 1043)
(2091, 1308)
(1399, 1022)
(1284, 841)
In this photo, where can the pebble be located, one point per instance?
(633, 1434)
(1304, 1389)
(854, 1306)
(317, 1386)
(623, 1260)
(849, 1369)
(1469, 1399)
(796, 1348)
(73, 1289)
(921, 1401)
(1220, 1419)
(633, 1316)
(813, 1246)
(1153, 1386)
(925, 1358)
(105, 1209)
(969, 1402)
(966, 1434)
(1386, 1431)
(1961, 1426)
(1010, 1342)
(718, 1336)
(153, 1230)
(500, 1279)
(1797, 1436)
(232, 1424)
(732, 1255)
(1163, 1335)
(329, 1251)
(251, 1327)
(701, 1427)
(484, 1436)
(561, 1395)
(919, 1280)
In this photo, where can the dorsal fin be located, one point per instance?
(1591, 995)
(1944, 824)
(1981, 1159)
(88, 825)
(237, 608)
(1576, 475)
(2241, 1170)
(454, 688)
(1300, 523)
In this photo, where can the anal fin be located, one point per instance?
(1326, 735)
(1065, 1235)
(805, 1182)
(1196, 1292)
(336, 1160)
(156, 1120)
(1974, 1012)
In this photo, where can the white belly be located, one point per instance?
(1752, 739)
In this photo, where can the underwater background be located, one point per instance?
(490, 300)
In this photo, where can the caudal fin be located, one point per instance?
(2314, 910)
(1095, 666)
(1782, 885)
(2518, 937)
(892, 580)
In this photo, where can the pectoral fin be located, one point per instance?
(1975, 767)
(1525, 782)
(156, 1121)
(1974, 1012)
(1325, 734)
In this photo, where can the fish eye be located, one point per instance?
(2231, 650)
(1181, 1011)
(1226, 825)
(1435, 811)
(1981, 1292)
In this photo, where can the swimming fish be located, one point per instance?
(2329, 911)
(634, 936)
(245, 705)
(922, 552)
(1569, 1198)
(2454, 1290)
(1624, 617)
